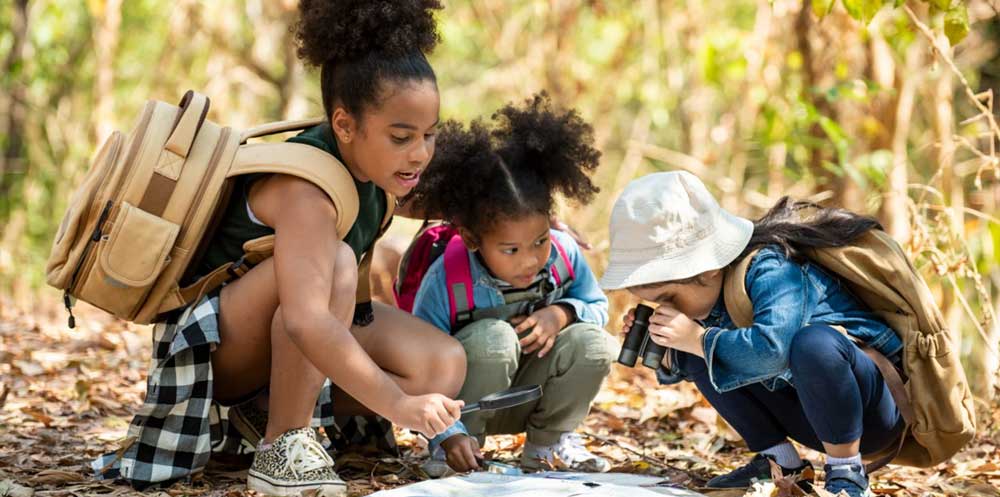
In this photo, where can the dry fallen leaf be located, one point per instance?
(38, 414)
(55, 477)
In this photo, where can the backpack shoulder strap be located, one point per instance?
(296, 159)
(563, 267)
(734, 292)
(390, 209)
(458, 277)
(364, 291)
(311, 164)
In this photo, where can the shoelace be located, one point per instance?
(304, 454)
(571, 449)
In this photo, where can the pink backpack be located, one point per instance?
(442, 239)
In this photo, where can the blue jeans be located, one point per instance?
(839, 396)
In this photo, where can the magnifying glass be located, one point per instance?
(505, 399)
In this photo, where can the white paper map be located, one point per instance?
(546, 484)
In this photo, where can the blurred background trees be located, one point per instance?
(887, 110)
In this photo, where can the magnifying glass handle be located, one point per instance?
(473, 407)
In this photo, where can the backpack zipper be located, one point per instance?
(87, 261)
(95, 237)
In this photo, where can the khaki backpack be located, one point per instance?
(932, 395)
(143, 215)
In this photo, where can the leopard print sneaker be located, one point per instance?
(295, 464)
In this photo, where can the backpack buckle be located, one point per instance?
(238, 268)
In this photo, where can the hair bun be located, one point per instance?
(345, 30)
(555, 145)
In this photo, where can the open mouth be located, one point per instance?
(408, 176)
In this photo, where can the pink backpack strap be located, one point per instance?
(458, 278)
(563, 267)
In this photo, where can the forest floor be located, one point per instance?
(67, 396)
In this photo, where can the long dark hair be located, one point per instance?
(798, 225)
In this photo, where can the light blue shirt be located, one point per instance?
(584, 295)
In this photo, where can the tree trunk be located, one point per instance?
(944, 132)
(810, 81)
(894, 214)
(12, 159)
(748, 110)
(106, 38)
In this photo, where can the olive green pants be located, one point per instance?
(570, 375)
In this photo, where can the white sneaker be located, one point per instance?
(568, 454)
(295, 464)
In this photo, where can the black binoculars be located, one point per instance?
(638, 343)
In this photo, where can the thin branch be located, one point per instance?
(243, 54)
(942, 53)
(968, 310)
(644, 457)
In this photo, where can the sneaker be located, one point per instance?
(847, 478)
(295, 464)
(568, 454)
(759, 469)
(249, 420)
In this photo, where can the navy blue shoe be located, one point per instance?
(759, 469)
(847, 478)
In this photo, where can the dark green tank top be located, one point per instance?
(237, 227)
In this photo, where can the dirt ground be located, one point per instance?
(67, 396)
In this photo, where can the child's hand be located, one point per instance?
(672, 328)
(429, 414)
(545, 324)
(462, 453)
(628, 320)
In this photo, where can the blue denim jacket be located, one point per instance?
(787, 296)
(584, 295)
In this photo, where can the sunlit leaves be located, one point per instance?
(956, 23)
(956, 15)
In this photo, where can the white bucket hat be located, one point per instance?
(668, 227)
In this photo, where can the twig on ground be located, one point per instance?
(644, 457)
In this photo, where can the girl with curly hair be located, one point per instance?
(275, 335)
(536, 313)
(292, 321)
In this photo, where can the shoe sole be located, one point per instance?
(245, 428)
(267, 486)
(747, 487)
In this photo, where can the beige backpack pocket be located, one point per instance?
(67, 253)
(130, 259)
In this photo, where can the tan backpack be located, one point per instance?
(934, 398)
(139, 220)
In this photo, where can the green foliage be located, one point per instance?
(862, 10)
(956, 23)
(756, 114)
(956, 18)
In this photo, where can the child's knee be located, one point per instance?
(449, 368)
(815, 345)
(490, 340)
(590, 345)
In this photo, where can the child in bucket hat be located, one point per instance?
(791, 375)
